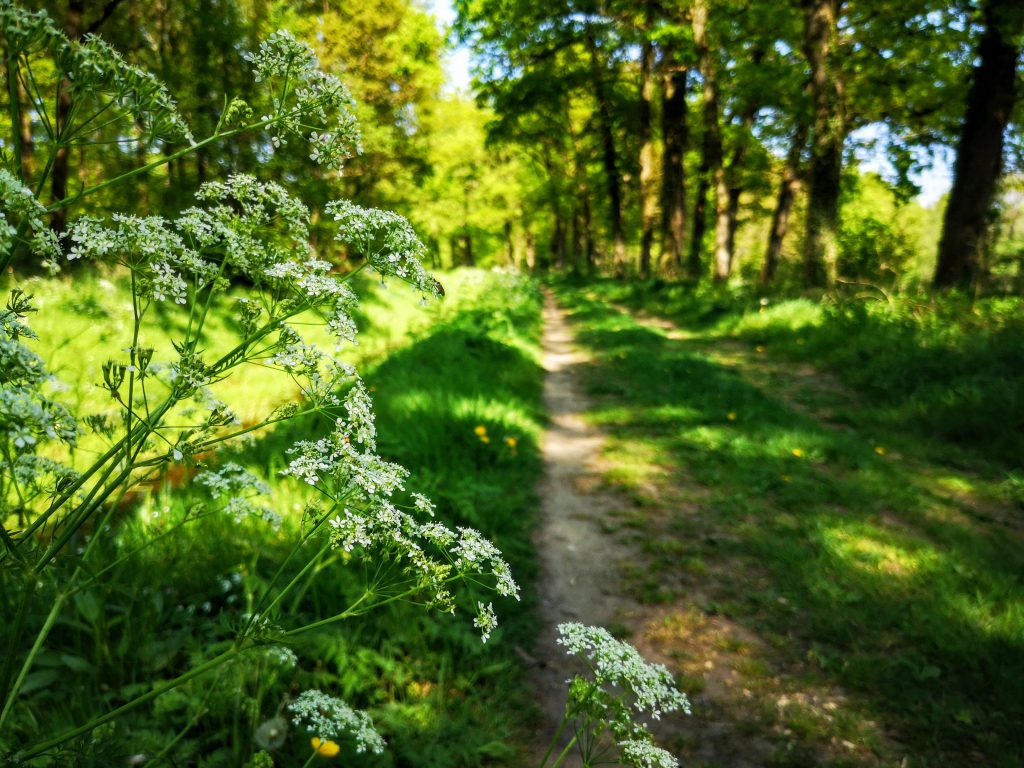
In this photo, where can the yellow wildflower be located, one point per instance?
(731, 416)
(798, 453)
(325, 747)
(880, 450)
(480, 430)
(511, 442)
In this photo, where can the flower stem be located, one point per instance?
(158, 690)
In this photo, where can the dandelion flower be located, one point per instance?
(325, 747)
(880, 450)
(511, 442)
(798, 453)
(480, 430)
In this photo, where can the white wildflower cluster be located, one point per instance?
(22, 216)
(328, 717)
(281, 55)
(280, 656)
(29, 469)
(231, 479)
(643, 754)
(386, 240)
(335, 463)
(621, 682)
(311, 97)
(239, 484)
(486, 620)
(95, 68)
(188, 374)
(621, 665)
(360, 422)
(150, 247)
(295, 356)
(433, 554)
(243, 203)
(240, 508)
(27, 31)
(27, 416)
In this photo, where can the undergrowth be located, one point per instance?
(458, 387)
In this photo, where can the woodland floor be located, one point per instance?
(645, 553)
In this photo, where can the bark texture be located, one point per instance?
(791, 177)
(821, 240)
(979, 157)
(675, 135)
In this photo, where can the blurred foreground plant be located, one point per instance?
(244, 245)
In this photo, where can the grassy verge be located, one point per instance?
(945, 368)
(835, 586)
(457, 391)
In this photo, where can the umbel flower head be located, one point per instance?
(620, 683)
(329, 720)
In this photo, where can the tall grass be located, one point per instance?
(439, 697)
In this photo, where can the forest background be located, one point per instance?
(695, 140)
(700, 159)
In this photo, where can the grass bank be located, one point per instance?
(834, 582)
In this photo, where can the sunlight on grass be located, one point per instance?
(856, 555)
(868, 552)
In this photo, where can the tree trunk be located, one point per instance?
(558, 240)
(821, 240)
(734, 175)
(59, 171)
(694, 260)
(588, 233)
(675, 136)
(979, 156)
(648, 194)
(712, 146)
(531, 251)
(609, 156)
(510, 245)
(787, 192)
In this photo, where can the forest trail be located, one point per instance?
(584, 551)
(577, 574)
(741, 518)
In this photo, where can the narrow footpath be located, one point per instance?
(578, 574)
(583, 555)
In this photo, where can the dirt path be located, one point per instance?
(578, 579)
(583, 555)
(581, 559)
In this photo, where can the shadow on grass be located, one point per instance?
(945, 367)
(830, 552)
(461, 410)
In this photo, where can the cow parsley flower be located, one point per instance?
(620, 664)
(643, 754)
(327, 717)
